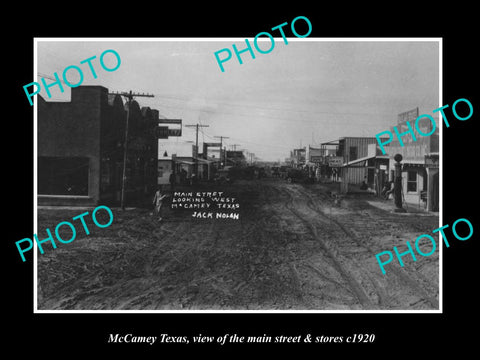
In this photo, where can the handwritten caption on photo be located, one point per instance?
(207, 205)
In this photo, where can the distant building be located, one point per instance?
(181, 160)
(314, 156)
(298, 157)
(235, 158)
(168, 151)
(328, 162)
(81, 147)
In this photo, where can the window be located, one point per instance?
(62, 175)
(412, 181)
(353, 153)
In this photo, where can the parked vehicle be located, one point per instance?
(283, 170)
(275, 171)
(222, 176)
(296, 175)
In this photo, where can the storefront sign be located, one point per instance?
(410, 115)
(405, 128)
(161, 132)
(174, 132)
(335, 161)
(170, 121)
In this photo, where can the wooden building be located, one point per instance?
(362, 161)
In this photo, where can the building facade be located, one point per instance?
(235, 158)
(297, 157)
(361, 161)
(327, 161)
(81, 149)
(420, 164)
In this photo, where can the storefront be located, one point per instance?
(420, 164)
(414, 183)
(372, 169)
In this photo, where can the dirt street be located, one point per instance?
(293, 247)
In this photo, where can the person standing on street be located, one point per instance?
(388, 189)
(157, 201)
(317, 174)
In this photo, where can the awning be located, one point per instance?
(205, 161)
(413, 162)
(185, 162)
(365, 159)
(357, 161)
(193, 162)
(333, 142)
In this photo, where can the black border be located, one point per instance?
(67, 334)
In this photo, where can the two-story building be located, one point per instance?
(80, 149)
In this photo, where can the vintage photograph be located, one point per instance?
(262, 187)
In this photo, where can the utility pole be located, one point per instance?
(397, 186)
(234, 146)
(224, 160)
(129, 96)
(196, 145)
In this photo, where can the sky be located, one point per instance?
(306, 92)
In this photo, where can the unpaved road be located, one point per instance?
(293, 248)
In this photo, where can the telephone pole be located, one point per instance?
(224, 160)
(129, 96)
(196, 145)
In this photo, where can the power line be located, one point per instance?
(49, 77)
(290, 109)
(219, 112)
(317, 101)
(340, 116)
(250, 142)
